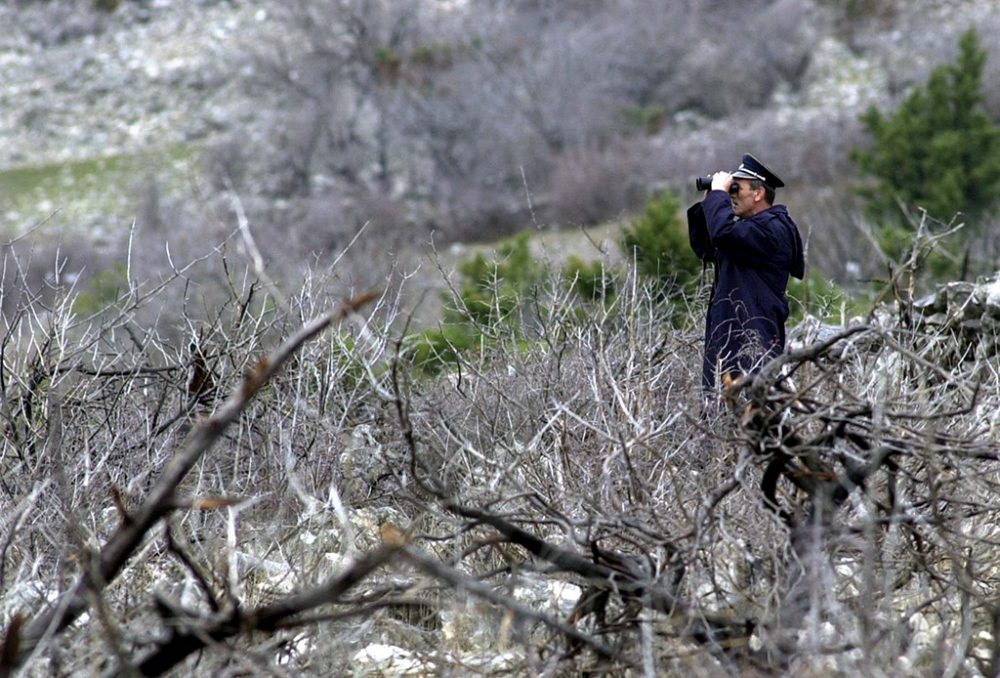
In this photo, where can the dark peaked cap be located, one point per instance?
(752, 168)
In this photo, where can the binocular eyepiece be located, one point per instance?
(703, 183)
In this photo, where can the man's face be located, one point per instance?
(745, 200)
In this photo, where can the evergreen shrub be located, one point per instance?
(591, 281)
(939, 150)
(658, 241)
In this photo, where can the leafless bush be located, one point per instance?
(276, 490)
(591, 186)
(41, 269)
(72, 386)
(458, 109)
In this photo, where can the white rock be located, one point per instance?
(389, 659)
(26, 595)
(991, 296)
(923, 635)
(279, 575)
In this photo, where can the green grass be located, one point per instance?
(824, 299)
(105, 186)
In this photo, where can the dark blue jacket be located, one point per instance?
(753, 258)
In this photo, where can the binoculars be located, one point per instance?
(705, 184)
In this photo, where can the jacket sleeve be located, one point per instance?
(698, 233)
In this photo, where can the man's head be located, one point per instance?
(750, 197)
(752, 190)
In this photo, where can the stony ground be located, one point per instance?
(108, 84)
(90, 101)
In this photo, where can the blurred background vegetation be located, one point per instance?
(431, 124)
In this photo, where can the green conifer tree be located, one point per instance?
(940, 150)
(659, 242)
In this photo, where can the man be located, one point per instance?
(754, 246)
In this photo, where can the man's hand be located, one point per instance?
(721, 181)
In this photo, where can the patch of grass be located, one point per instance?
(102, 293)
(79, 188)
(824, 299)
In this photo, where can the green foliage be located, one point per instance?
(388, 62)
(107, 5)
(859, 13)
(493, 288)
(822, 298)
(649, 119)
(104, 290)
(349, 368)
(491, 291)
(940, 263)
(659, 242)
(433, 54)
(593, 281)
(939, 150)
(432, 350)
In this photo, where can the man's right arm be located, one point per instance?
(698, 236)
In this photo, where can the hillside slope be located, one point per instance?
(95, 108)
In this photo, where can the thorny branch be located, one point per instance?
(191, 635)
(846, 499)
(104, 566)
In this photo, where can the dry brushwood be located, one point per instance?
(533, 511)
(191, 633)
(831, 445)
(102, 567)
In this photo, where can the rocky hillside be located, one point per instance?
(88, 99)
(147, 76)
(92, 102)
